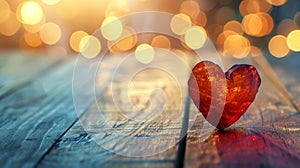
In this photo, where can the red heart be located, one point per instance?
(223, 98)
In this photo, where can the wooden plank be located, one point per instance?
(266, 135)
(35, 116)
(17, 69)
(77, 148)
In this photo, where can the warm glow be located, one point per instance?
(207, 5)
(224, 14)
(201, 19)
(161, 41)
(32, 39)
(111, 28)
(35, 28)
(221, 39)
(51, 2)
(10, 26)
(75, 40)
(253, 6)
(195, 37)
(252, 24)
(50, 33)
(127, 41)
(235, 26)
(144, 53)
(90, 46)
(286, 26)
(278, 46)
(180, 23)
(214, 31)
(258, 24)
(117, 8)
(190, 8)
(256, 52)
(237, 46)
(293, 40)
(31, 13)
(277, 2)
(4, 11)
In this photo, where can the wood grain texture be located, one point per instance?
(17, 69)
(39, 127)
(129, 131)
(266, 135)
(35, 116)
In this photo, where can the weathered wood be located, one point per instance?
(38, 128)
(17, 69)
(77, 148)
(266, 135)
(35, 116)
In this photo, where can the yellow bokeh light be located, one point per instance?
(144, 53)
(51, 2)
(90, 46)
(50, 33)
(34, 28)
(31, 12)
(180, 23)
(161, 41)
(75, 40)
(4, 11)
(32, 39)
(10, 26)
(111, 28)
(293, 40)
(195, 37)
(278, 46)
(125, 42)
(277, 2)
(237, 46)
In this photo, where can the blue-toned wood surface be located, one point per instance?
(40, 128)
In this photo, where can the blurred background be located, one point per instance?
(238, 28)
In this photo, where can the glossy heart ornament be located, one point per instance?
(221, 97)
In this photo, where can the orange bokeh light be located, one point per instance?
(253, 6)
(237, 46)
(10, 26)
(161, 41)
(235, 26)
(277, 2)
(190, 8)
(278, 46)
(258, 24)
(125, 42)
(4, 11)
(75, 40)
(32, 39)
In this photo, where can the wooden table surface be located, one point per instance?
(40, 128)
